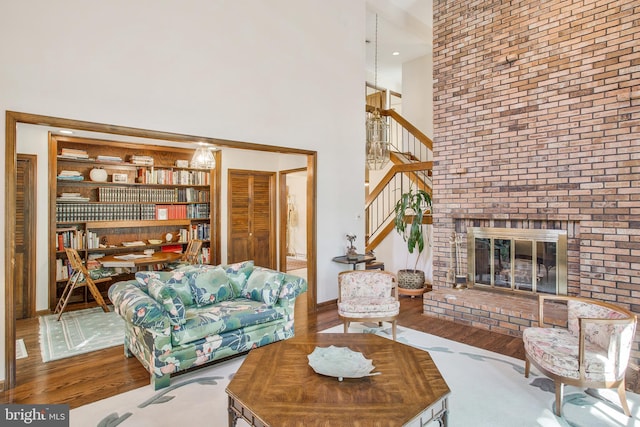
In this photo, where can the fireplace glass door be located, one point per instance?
(522, 262)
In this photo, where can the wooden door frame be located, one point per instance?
(13, 118)
(283, 208)
(31, 230)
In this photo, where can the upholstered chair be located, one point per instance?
(368, 295)
(592, 352)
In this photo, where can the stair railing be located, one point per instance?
(411, 153)
(381, 201)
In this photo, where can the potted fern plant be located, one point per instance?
(410, 210)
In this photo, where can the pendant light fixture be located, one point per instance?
(377, 127)
(203, 158)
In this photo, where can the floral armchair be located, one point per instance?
(365, 295)
(592, 352)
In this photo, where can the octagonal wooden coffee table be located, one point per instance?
(275, 386)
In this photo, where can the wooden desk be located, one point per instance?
(156, 258)
(361, 258)
(275, 386)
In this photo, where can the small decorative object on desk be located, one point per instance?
(352, 253)
(340, 362)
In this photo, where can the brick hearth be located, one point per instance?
(494, 311)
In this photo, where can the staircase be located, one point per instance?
(411, 167)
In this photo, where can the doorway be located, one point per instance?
(13, 119)
(293, 226)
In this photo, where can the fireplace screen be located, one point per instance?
(518, 259)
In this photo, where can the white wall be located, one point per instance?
(395, 255)
(277, 72)
(417, 93)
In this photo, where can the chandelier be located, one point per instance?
(203, 158)
(377, 128)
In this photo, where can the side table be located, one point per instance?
(353, 261)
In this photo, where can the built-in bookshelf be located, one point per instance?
(112, 198)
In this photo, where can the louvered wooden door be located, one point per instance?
(252, 217)
(24, 285)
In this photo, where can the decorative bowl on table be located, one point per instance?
(155, 241)
(340, 362)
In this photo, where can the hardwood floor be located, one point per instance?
(87, 378)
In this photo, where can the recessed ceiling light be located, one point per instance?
(66, 132)
(396, 53)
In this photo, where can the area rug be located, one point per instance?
(487, 389)
(296, 263)
(21, 349)
(78, 332)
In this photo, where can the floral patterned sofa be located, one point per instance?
(196, 314)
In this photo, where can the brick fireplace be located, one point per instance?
(537, 126)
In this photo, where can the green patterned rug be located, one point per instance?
(79, 332)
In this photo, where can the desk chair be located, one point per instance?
(190, 255)
(78, 278)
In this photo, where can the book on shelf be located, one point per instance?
(66, 175)
(164, 212)
(141, 160)
(71, 197)
(155, 175)
(66, 212)
(70, 237)
(172, 248)
(104, 158)
(62, 269)
(199, 231)
(203, 257)
(72, 153)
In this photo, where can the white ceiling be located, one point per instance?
(405, 26)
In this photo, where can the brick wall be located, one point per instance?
(552, 136)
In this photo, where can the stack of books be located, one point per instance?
(72, 153)
(70, 176)
(142, 160)
(103, 158)
(71, 198)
